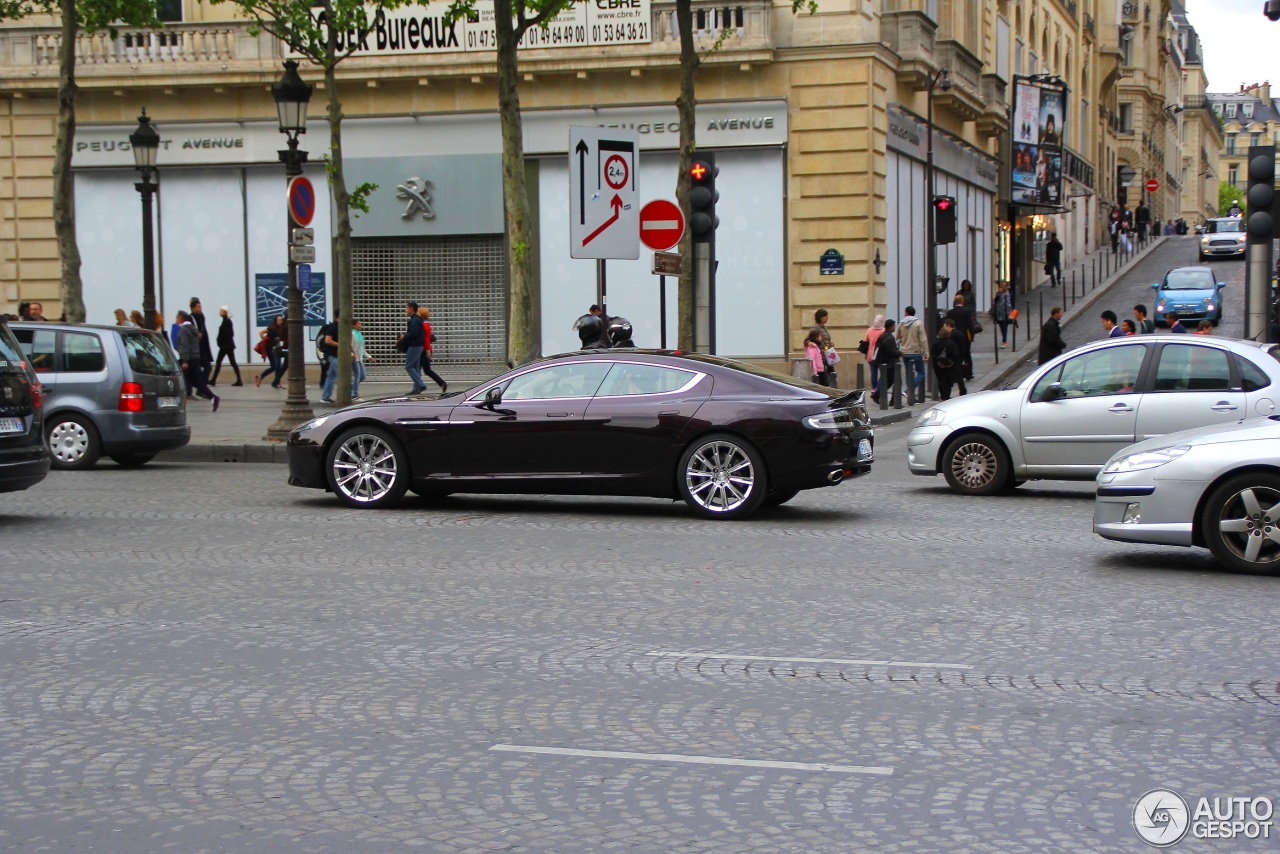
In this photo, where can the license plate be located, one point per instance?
(11, 425)
(864, 448)
(169, 402)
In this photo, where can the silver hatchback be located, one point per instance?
(1068, 417)
(113, 390)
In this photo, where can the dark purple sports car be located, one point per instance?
(722, 435)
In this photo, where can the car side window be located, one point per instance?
(627, 378)
(1113, 370)
(40, 346)
(578, 379)
(1186, 367)
(1251, 376)
(82, 352)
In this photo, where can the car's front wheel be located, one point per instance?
(1241, 523)
(366, 467)
(73, 442)
(976, 464)
(722, 477)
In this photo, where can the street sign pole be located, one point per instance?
(602, 287)
(662, 310)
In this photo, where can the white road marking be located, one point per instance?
(935, 665)
(878, 770)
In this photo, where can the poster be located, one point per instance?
(1039, 128)
(272, 297)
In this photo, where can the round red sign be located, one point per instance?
(302, 200)
(661, 224)
(1153, 185)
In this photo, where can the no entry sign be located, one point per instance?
(302, 200)
(1153, 185)
(661, 224)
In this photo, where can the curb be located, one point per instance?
(891, 417)
(227, 452)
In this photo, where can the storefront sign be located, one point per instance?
(907, 135)
(431, 194)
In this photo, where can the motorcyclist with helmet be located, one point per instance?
(591, 332)
(620, 333)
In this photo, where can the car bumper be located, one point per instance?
(24, 467)
(1238, 249)
(122, 434)
(923, 446)
(306, 463)
(1160, 512)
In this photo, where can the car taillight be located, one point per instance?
(130, 397)
(37, 394)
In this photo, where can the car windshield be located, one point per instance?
(148, 353)
(1188, 280)
(1223, 226)
(11, 357)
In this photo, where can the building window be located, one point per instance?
(169, 10)
(1233, 175)
(1126, 118)
(1246, 110)
(1231, 143)
(1231, 111)
(1017, 57)
(1255, 139)
(1126, 51)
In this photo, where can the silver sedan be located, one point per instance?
(1068, 417)
(1218, 488)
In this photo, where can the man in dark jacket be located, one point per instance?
(1051, 343)
(1053, 259)
(413, 340)
(189, 358)
(888, 355)
(962, 316)
(206, 349)
(1175, 325)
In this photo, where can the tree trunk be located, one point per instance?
(685, 103)
(64, 198)
(521, 345)
(343, 292)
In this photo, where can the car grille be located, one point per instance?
(1231, 242)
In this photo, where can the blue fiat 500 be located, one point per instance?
(1190, 292)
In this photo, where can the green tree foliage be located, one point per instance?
(1229, 194)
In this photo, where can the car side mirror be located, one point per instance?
(1156, 286)
(1221, 285)
(492, 397)
(1053, 392)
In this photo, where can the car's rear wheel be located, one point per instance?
(722, 477)
(776, 499)
(366, 467)
(132, 461)
(73, 442)
(976, 464)
(1241, 523)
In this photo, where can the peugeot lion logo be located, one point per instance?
(417, 193)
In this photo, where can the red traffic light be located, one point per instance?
(698, 171)
(943, 204)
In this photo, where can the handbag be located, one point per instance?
(977, 327)
(833, 358)
(261, 347)
(402, 346)
(864, 347)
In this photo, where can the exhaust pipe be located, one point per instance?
(836, 476)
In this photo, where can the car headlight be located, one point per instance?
(312, 424)
(1161, 304)
(1144, 460)
(932, 418)
(1204, 239)
(1241, 238)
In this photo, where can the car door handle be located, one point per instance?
(1121, 407)
(1224, 406)
(559, 414)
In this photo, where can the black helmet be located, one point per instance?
(590, 329)
(619, 330)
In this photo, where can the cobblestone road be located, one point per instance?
(200, 658)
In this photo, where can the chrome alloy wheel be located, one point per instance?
(364, 468)
(720, 477)
(974, 465)
(69, 442)
(1250, 524)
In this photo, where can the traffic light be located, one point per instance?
(1261, 194)
(944, 219)
(703, 197)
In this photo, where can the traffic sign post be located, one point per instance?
(664, 264)
(604, 197)
(1152, 185)
(302, 201)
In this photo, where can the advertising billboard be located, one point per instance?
(1039, 128)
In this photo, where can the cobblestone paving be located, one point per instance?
(200, 658)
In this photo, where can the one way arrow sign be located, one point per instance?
(604, 193)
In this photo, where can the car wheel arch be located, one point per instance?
(1197, 533)
(687, 441)
(1011, 447)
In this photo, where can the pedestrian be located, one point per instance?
(189, 358)
(274, 337)
(873, 334)
(327, 339)
(1113, 228)
(966, 328)
(122, 319)
(970, 296)
(411, 343)
(226, 347)
(35, 311)
(1129, 327)
(915, 352)
(1002, 312)
(1145, 324)
(1175, 325)
(359, 356)
(1143, 218)
(813, 352)
(136, 318)
(1110, 326)
(1053, 259)
(1051, 343)
(946, 360)
(601, 343)
(1204, 327)
(820, 318)
(428, 349)
(24, 311)
(206, 349)
(888, 354)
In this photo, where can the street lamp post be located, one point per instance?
(941, 78)
(145, 142)
(292, 95)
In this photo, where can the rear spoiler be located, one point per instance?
(856, 396)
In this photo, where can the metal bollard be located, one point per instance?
(896, 388)
(862, 375)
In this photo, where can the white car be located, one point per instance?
(1067, 418)
(1217, 487)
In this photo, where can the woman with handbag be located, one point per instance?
(813, 352)
(867, 347)
(272, 347)
(1003, 312)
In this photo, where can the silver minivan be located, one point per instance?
(113, 390)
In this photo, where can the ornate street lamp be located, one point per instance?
(940, 79)
(145, 142)
(292, 95)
